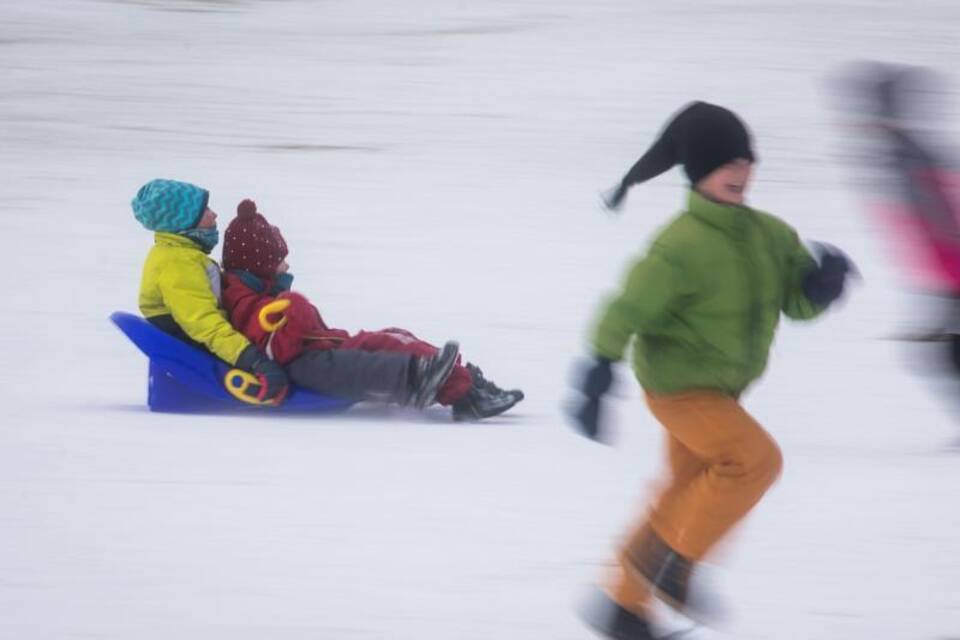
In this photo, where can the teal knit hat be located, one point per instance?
(169, 205)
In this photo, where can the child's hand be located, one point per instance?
(594, 382)
(825, 282)
(833, 259)
(271, 375)
(586, 418)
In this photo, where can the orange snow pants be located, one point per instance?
(720, 463)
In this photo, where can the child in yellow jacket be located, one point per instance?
(180, 287)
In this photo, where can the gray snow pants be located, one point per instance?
(354, 375)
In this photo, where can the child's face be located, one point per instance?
(728, 184)
(208, 220)
(283, 267)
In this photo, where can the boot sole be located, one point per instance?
(474, 415)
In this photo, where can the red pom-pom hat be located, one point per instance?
(253, 244)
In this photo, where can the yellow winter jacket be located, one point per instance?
(181, 281)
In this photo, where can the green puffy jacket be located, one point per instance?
(705, 301)
(181, 281)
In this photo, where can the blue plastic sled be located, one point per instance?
(184, 379)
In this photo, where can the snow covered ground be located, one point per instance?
(435, 165)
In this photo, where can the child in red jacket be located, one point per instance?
(289, 329)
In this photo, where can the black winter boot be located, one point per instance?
(671, 576)
(482, 403)
(616, 623)
(665, 569)
(427, 375)
(480, 381)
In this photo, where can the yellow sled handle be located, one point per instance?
(277, 306)
(238, 381)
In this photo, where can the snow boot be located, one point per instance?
(665, 569)
(427, 375)
(480, 381)
(612, 621)
(670, 575)
(482, 403)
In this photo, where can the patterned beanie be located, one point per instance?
(252, 244)
(169, 205)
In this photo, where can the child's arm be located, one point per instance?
(799, 264)
(649, 292)
(650, 289)
(187, 293)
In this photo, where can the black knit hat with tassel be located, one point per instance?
(702, 137)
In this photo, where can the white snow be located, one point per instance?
(435, 165)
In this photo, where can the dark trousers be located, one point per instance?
(402, 341)
(354, 374)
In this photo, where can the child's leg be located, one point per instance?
(354, 375)
(623, 582)
(721, 462)
(402, 341)
(629, 590)
(737, 463)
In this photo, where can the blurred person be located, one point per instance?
(701, 309)
(180, 293)
(915, 192)
(315, 355)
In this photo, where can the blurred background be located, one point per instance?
(436, 165)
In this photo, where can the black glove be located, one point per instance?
(594, 383)
(273, 379)
(613, 198)
(825, 282)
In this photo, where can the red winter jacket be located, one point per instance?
(244, 295)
